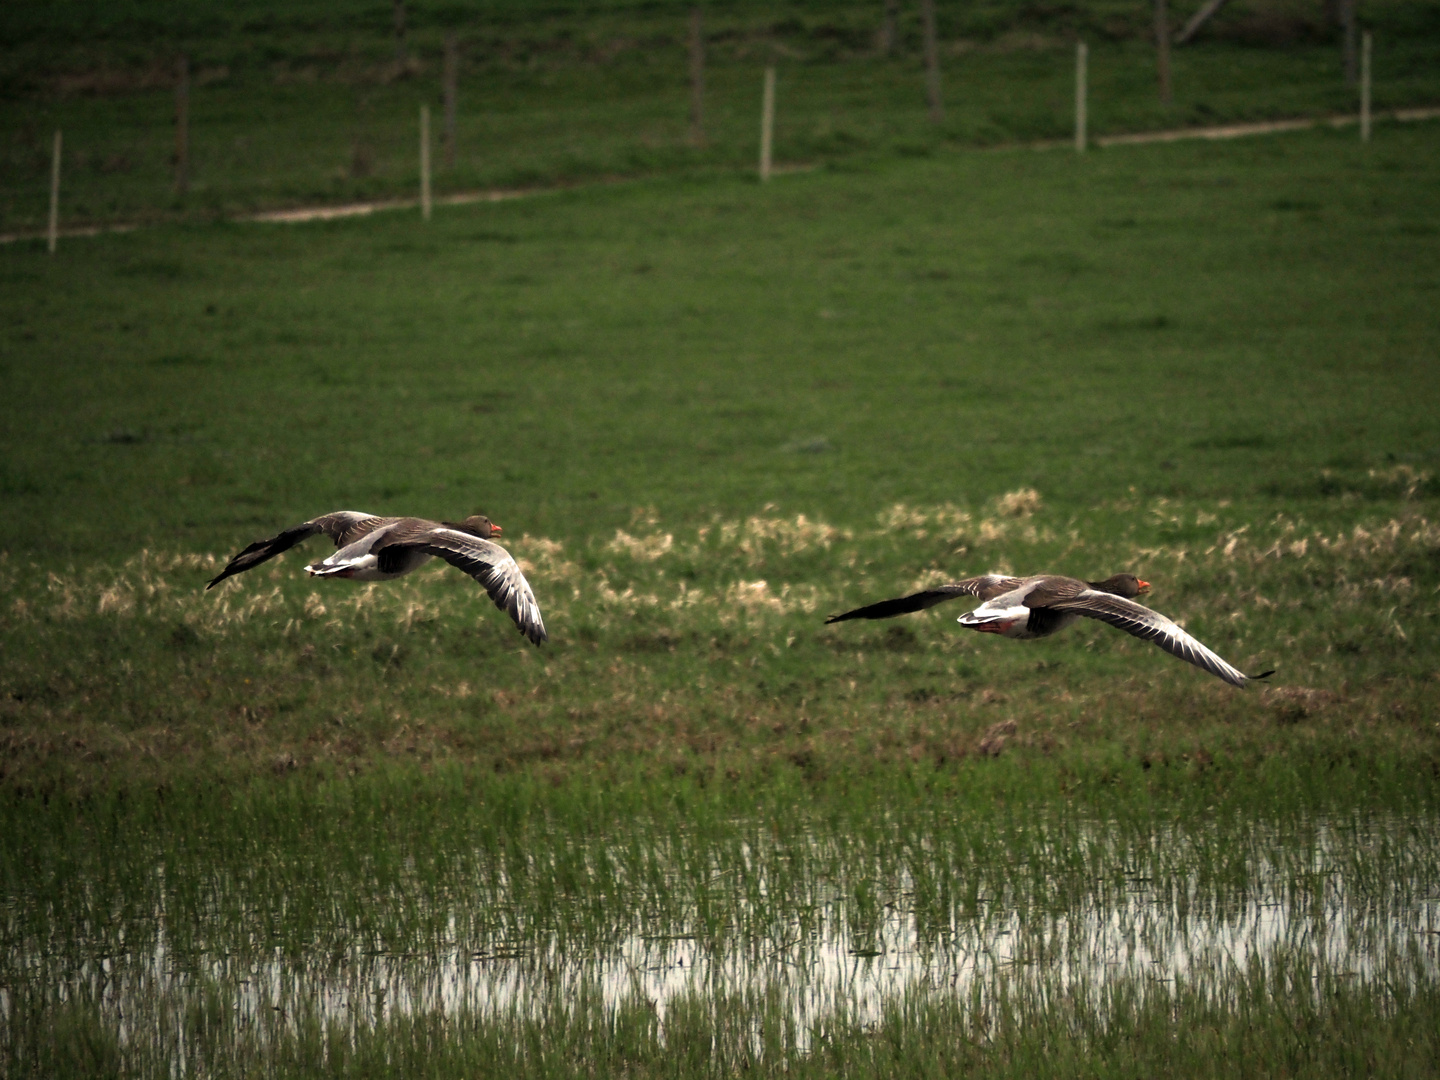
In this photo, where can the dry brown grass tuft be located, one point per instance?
(666, 638)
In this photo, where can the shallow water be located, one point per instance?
(829, 938)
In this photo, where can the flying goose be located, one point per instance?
(1035, 607)
(381, 548)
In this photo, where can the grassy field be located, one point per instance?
(302, 104)
(708, 413)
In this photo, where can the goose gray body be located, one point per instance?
(1041, 605)
(372, 548)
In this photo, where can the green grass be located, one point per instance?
(1214, 371)
(708, 413)
(295, 106)
(1196, 322)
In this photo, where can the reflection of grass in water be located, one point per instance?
(510, 869)
(1287, 1017)
(379, 863)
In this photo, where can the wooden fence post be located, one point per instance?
(425, 162)
(890, 28)
(53, 234)
(767, 123)
(932, 62)
(1162, 49)
(697, 78)
(1082, 57)
(182, 127)
(1365, 87)
(452, 64)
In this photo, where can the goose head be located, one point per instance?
(1127, 585)
(481, 526)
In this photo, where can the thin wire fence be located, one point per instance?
(217, 144)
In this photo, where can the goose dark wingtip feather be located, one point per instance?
(985, 586)
(884, 609)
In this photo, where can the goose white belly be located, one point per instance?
(1009, 619)
(357, 562)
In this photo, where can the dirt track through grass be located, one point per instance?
(300, 215)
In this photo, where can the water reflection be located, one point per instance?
(844, 954)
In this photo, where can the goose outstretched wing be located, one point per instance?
(487, 562)
(1150, 625)
(343, 527)
(983, 587)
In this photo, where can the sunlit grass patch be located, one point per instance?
(702, 648)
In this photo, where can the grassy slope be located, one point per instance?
(1177, 347)
(1193, 321)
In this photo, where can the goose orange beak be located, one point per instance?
(1144, 585)
(495, 529)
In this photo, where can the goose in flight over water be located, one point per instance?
(381, 548)
(1035, 607)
